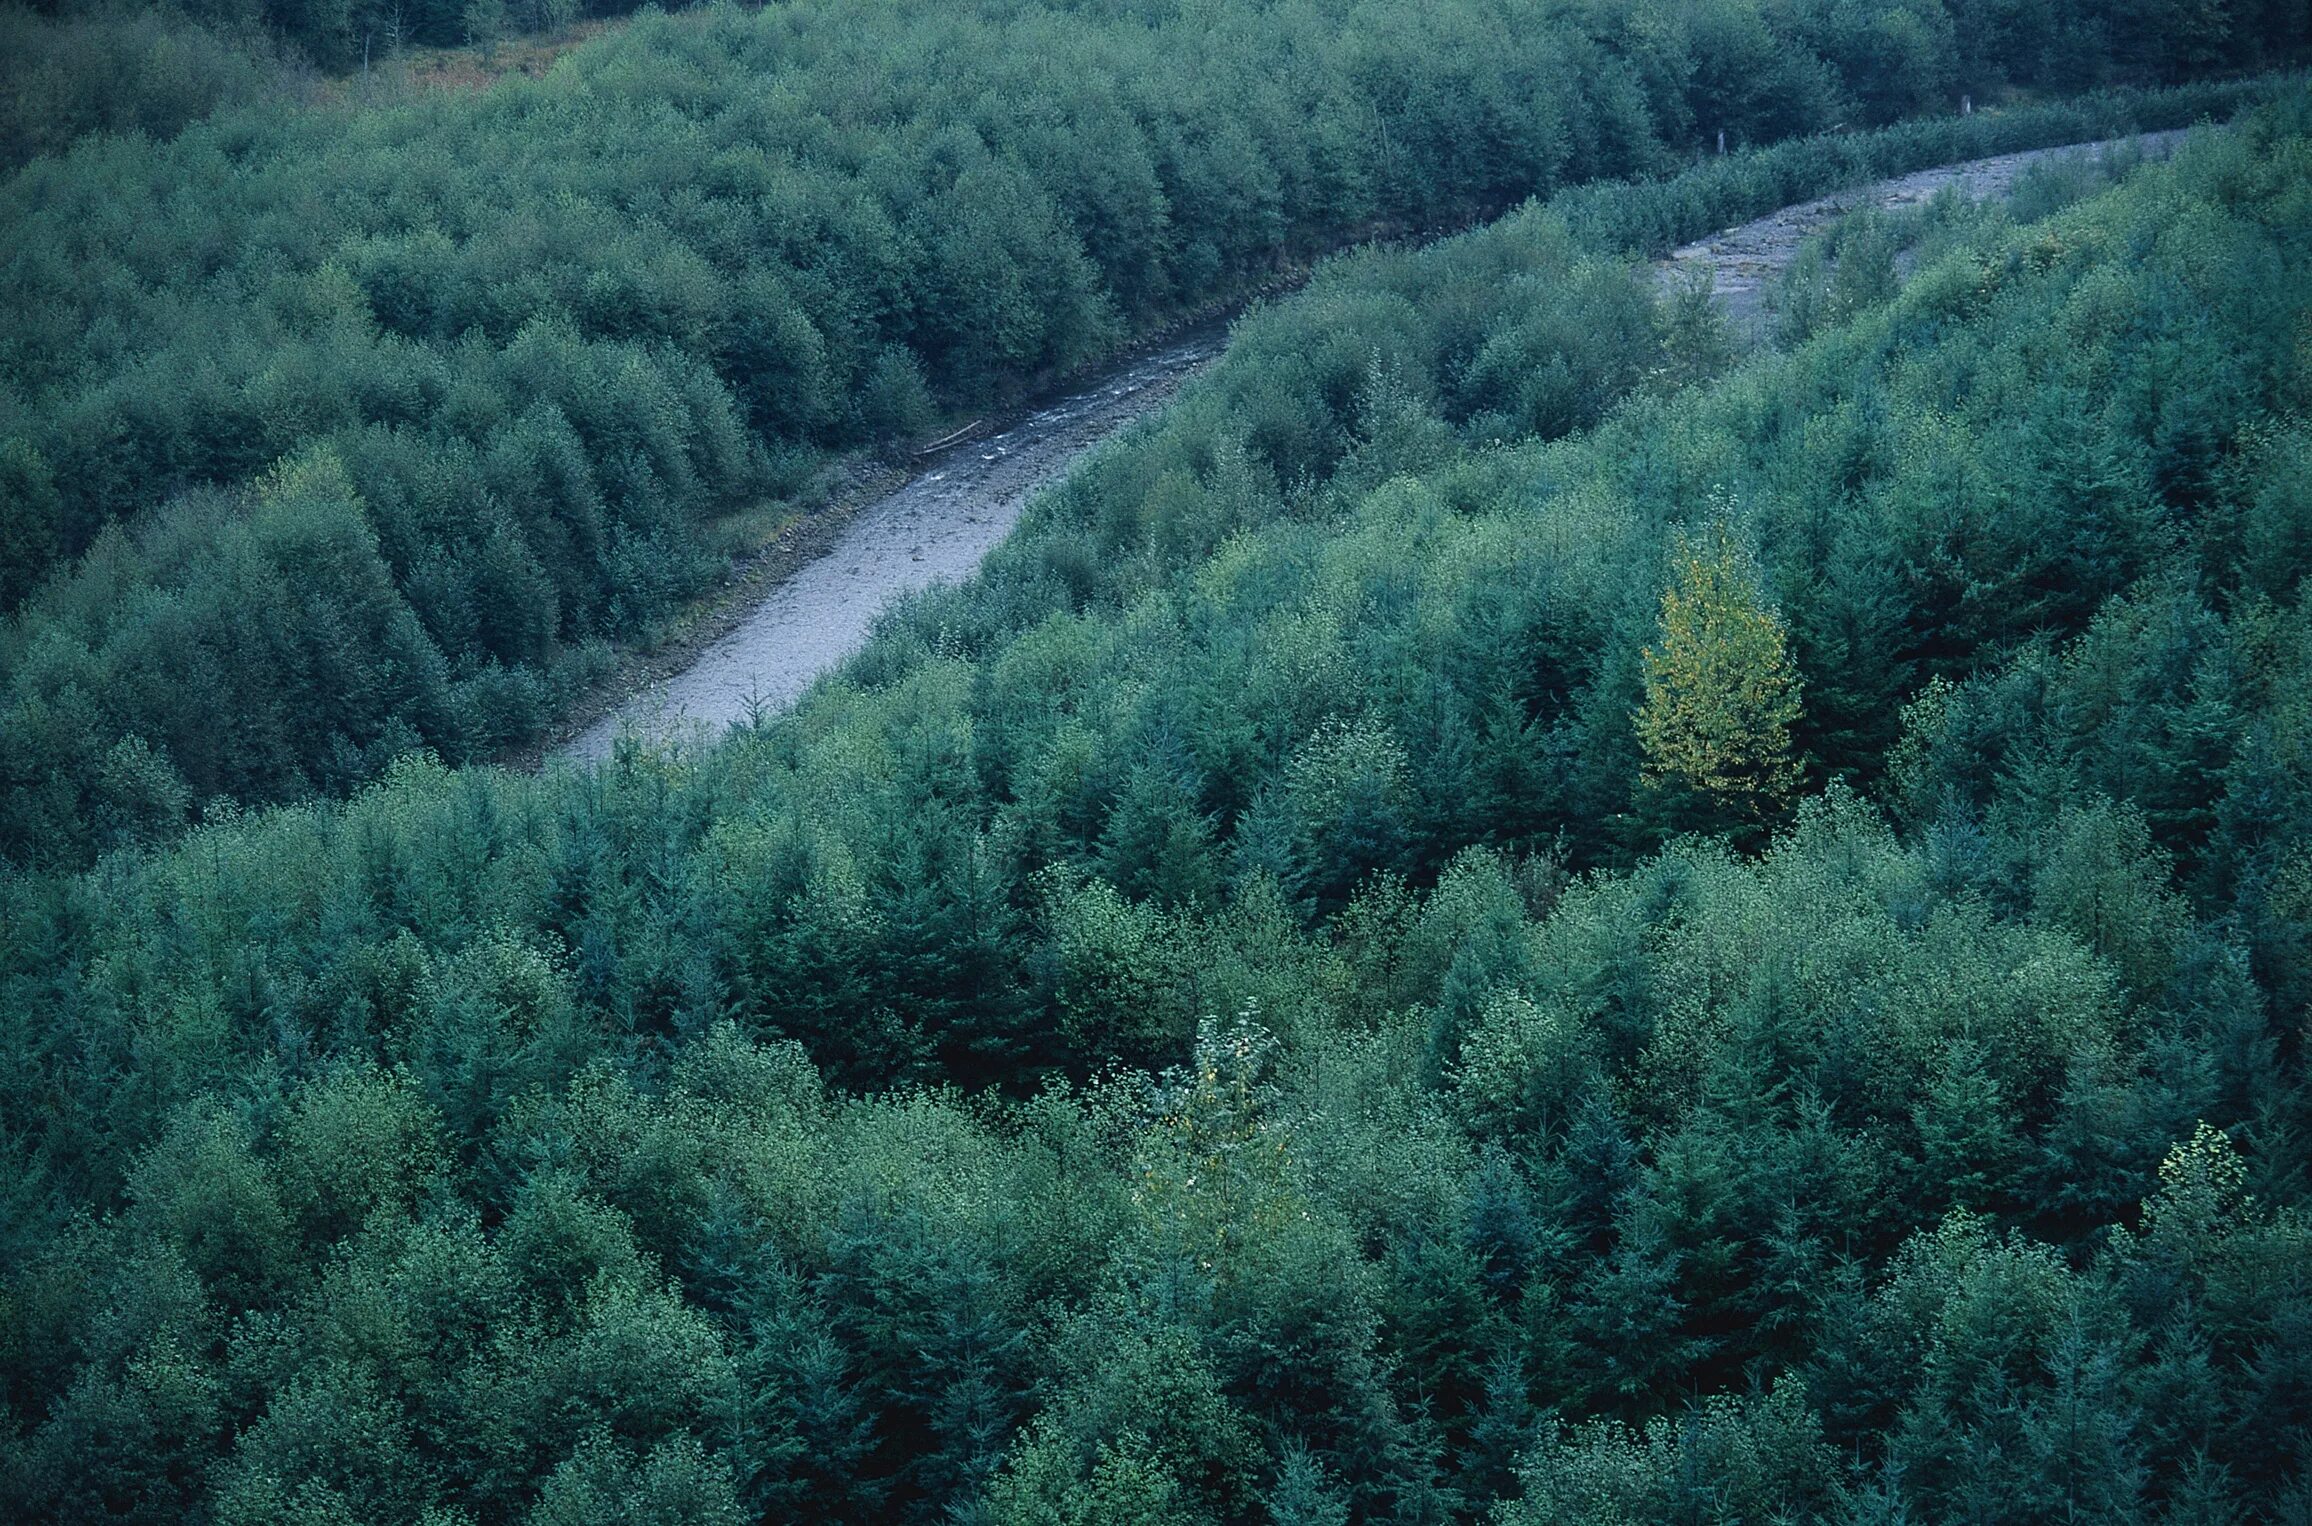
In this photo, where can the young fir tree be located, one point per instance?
(1721, 694)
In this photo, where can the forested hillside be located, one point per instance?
(2056, 44)
(1506, 915)
(331, 433)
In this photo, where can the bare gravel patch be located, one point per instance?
(962, 500)
(1741, 263)
(966, 497)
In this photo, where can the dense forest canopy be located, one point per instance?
(1507, 914)
(336, 432)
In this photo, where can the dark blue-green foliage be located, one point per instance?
(1203, 1024)
(567, 344)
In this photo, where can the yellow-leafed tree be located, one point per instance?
(1721, 693)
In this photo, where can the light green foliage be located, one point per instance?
(1126, 1485)
(1720, 693)
(1216, 1165)
(674, 1486)
(333, 1448)
(1525, 1064)
(2102, 881)
(1843, 273)
(1724, 1461)
(1119, 978)
(202, 1192)
(1304, 1494)
(2202, 1190)
(1143, 1434)
(354, 1146)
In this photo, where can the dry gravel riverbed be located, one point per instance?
(935, 529)
(1741, 263)
(968, 496)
